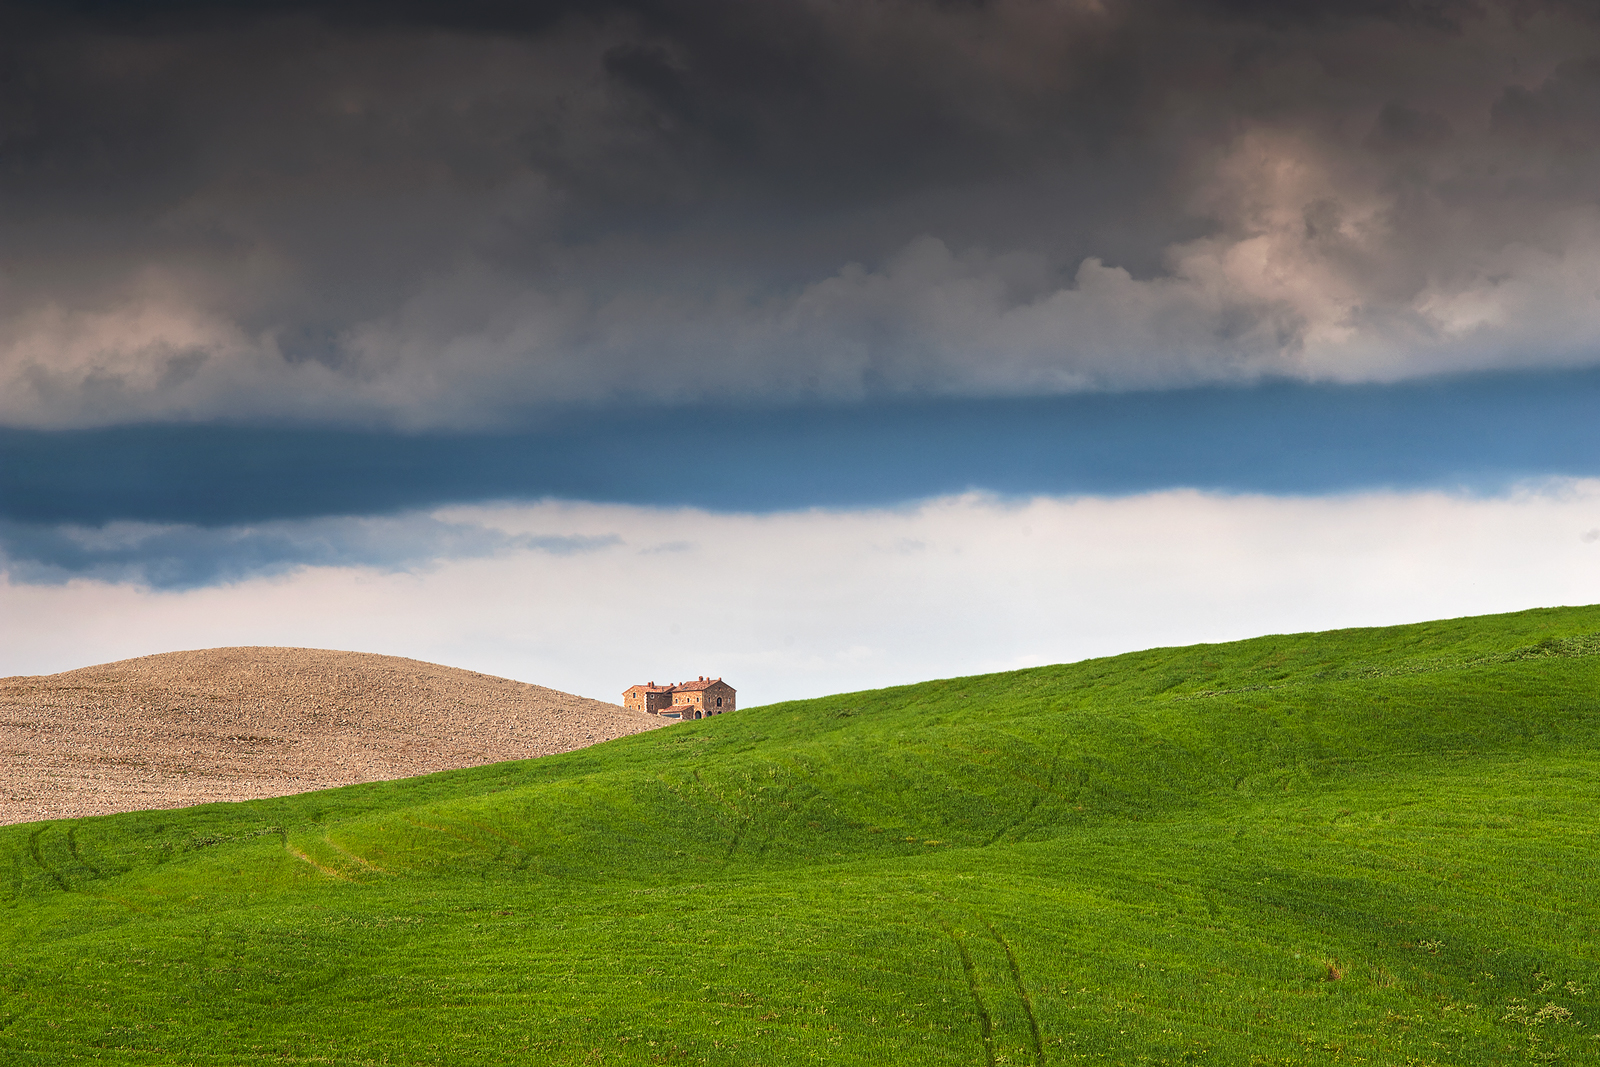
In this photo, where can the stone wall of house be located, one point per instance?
(637, 699)
(704, 701)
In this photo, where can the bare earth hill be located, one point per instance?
(187, 728)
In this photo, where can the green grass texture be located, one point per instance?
(1371, 846)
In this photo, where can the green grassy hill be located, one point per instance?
(1366, 846)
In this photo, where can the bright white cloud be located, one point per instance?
(803, 604)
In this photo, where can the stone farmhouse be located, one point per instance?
(685, 700)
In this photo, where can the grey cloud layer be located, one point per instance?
(452, 216)
(189, 557)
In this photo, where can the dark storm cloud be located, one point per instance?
(1483, 433)
(458, 215)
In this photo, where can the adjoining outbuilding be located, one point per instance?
(698, 699)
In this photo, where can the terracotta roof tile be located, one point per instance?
(697, 686)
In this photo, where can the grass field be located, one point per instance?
(1364, 846)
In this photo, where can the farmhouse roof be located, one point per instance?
(699, 685)
(651, 688)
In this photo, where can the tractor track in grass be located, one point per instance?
(477, 843)
(283, 835)
(1022, 992)
(975, 987)
(446, 831)
(37, 852)
(303, 858)
(341, 850)
(72, 847)
(1048, 788)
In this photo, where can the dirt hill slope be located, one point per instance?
(186, 728)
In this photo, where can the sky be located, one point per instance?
(816, 345)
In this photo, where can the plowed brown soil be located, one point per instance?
(187, 728)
